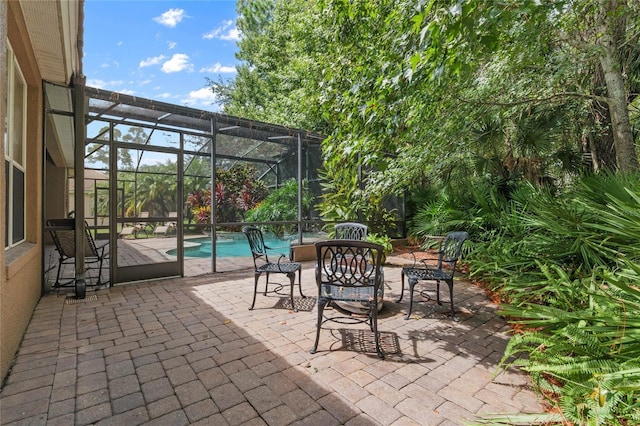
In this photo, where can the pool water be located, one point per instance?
(231, 247)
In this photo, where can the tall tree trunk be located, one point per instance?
(611, 20)
(600, 140)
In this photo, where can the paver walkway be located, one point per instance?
(188, 351)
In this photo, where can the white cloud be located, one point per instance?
(171, 17)
(226, 31)
(127, 92)
(219, 68)
(165, 95)
(232, 35)
(201, 97)
(109, 64)
(171, 44)
(155, 60)
(178, 62)
(98, 84)
(101, 84)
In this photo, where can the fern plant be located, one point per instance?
(587, 361)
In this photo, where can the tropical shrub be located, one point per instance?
(585, 360)
(237, 191)
(282, 205)
(384, 241)
(343, 200)
(567, 266)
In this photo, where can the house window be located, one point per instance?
(14, 153)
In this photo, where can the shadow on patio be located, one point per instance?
(183, 351)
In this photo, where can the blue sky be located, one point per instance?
(162, 49)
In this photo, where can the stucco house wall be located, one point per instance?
(21, 266)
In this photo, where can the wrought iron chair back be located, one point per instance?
(256, 243)
(450, 250)
(350, 231)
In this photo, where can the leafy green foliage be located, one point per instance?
(278, 74)
(586, 356)
(567, 264)
(383, 240)
(426, 93)
(282, 205)
(343, 199)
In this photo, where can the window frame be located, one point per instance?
(12, 163)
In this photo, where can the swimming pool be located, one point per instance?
(233, 246)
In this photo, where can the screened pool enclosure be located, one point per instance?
(167, 184)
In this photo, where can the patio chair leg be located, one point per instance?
(453, 312)
(402, 288)
(371, 324)
(412, 284)
(255, 290)
(373, 309)
(57, 283)
(266, 285)
(321, 306)
(292, 280)
(99, 282)
(300, 283)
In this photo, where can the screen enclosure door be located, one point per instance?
(148, 214)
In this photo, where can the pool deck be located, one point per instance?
(188, 351)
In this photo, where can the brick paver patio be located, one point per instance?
(188, 351)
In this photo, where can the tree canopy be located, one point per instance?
(437, 90)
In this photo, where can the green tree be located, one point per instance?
(403, 87)
(278, 74)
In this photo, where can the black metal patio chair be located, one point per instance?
(262, 264)
(355, 231)
(349, 271)
(448, 254)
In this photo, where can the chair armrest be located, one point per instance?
(423, 261)
(279, 261)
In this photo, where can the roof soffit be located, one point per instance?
(53, 28)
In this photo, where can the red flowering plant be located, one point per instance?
(236, 192)
(199, 202)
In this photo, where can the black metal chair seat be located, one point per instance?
(427, 274)
(448, 255)
(262, 265)
(348, 294)
(283, 267)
